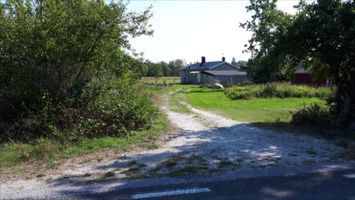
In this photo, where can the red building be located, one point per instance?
(304, 77)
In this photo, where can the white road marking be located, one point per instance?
(349, 175)
(170, 193)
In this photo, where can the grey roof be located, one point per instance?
(204, 66)
(225, 72)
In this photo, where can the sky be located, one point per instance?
(189, 29)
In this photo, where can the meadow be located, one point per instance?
(273, 109)
(248, 110)
(161, 80)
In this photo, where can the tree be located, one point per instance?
(50, 45)
(50, 51)
(323, 35)
(157, 72)
(165, 68)
(175, 67)
(267, 25)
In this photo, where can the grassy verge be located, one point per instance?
(49, 151)
(175, 94)
(252, 110)
(161, 80)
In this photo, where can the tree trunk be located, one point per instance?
(352, 97)
(343, 99)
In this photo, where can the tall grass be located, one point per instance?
(280, 90)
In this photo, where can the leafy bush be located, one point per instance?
(62, 72)
(120, 108)
(281, 90)
(103, 107)
(318, 116)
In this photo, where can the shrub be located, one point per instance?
(102, 107)
(281, 90)
(44, 76)
(318, 116)
(120, 108)
(269, 90)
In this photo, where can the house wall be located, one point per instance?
(307, 79)
(184, 77)
(193, 78)
(188, 78)
(207, 79)
(226, 80)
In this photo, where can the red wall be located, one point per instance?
(306, 79)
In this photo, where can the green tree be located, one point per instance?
(267, 25)
(157, 71)
(165, 68)
(175, 67)
(50, 51)
(323, 35)
(49, 45)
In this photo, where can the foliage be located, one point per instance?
(318, 116)
(164, 69)
(118, 108)
(59, 60)
(48, 150)
(157, 70)
(280, 90)
(268, 25)
(105, 107)
(249, 110)
(324, 33)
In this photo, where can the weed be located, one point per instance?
(153, 146)
(109, 174)
(280, 90)
(40, 175)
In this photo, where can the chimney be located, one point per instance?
(203, 59)
(223, 59)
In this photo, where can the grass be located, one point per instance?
(252, 110)
(161, 80)
(175, 105)
(49, 151)
(281, 90)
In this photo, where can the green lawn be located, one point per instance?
(253, 110)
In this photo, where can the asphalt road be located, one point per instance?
(313, 186)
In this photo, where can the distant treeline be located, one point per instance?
(163, 68)
(173, 67)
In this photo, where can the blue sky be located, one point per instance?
(190, 29)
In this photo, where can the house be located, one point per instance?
(212, 72)
(304, 77)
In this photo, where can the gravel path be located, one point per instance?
(204, 142)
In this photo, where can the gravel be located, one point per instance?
(217, 143)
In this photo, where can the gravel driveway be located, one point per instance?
(204, 142)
